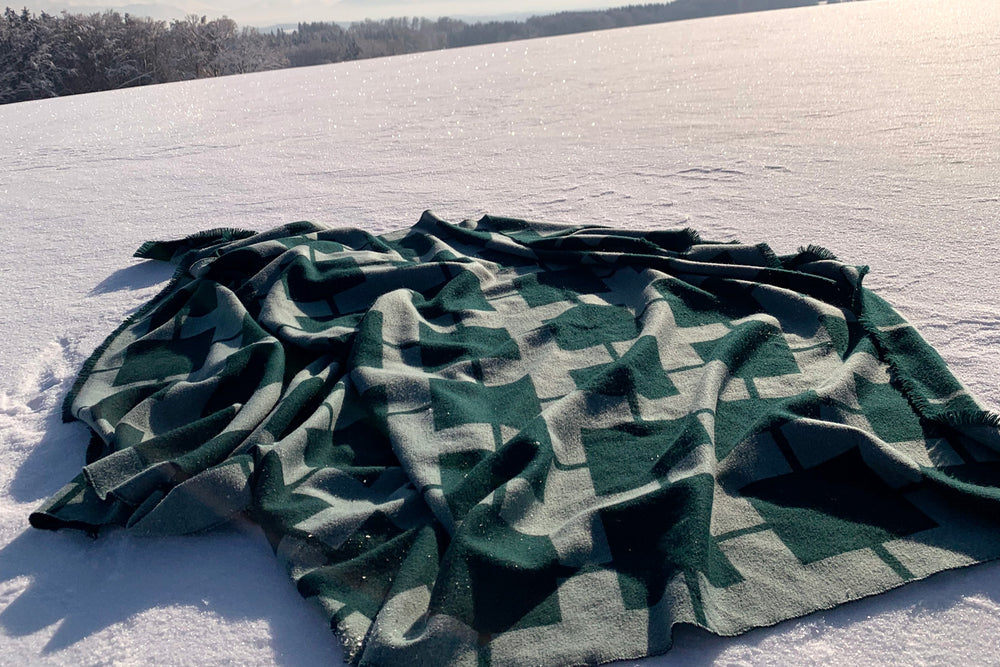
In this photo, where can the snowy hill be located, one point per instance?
(867, 128)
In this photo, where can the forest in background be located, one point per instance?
(45, 56)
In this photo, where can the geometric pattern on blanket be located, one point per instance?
(507, 442)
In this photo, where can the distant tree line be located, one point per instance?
(49, 56)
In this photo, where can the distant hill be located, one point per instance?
(245, 14)
(465, 18)
(153, 10)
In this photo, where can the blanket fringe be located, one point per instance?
(165, 250)
(770, 256)
(693, 236)
(819, 252)
(966, 418)
(927, 411)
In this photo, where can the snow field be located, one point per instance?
(867, 128)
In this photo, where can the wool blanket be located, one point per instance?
(503, 442)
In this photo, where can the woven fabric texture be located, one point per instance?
(505, 442)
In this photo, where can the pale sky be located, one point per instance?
(270, 12)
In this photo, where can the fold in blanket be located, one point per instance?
(503, 442)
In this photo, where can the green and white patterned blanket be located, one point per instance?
(503, 442)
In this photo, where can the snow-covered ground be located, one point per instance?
(869, 128)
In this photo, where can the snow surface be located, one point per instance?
(868, 128)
